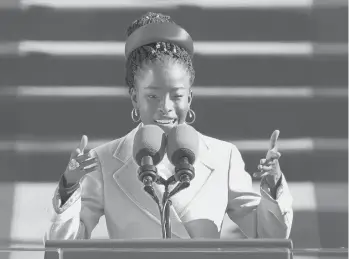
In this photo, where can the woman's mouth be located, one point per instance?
(165, 121)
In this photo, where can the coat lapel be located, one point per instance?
(126, 177)
(204, 167)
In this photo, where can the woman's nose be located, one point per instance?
(166, 105)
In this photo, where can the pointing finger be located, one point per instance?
(80, 150)
(83, 143)
(274, 138)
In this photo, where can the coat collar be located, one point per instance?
(133, 188)
(124, 151)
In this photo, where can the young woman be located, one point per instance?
(160, 74)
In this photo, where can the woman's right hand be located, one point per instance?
(79, 163)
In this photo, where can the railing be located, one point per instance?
(105, 253)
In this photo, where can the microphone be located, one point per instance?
(182, 150)
(148, 150)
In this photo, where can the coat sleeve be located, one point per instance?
(78, 216)
(257, 215)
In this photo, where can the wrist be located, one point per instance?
(272, 181)
(273, 184)
(68, 181)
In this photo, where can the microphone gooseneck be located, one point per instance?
(147, 174)
(182, 150)
(149, 148)
(184, 171)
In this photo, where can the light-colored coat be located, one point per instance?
(221, 185)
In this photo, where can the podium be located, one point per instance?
(169, 249)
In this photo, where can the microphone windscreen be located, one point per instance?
(182, 141)
(150, 140)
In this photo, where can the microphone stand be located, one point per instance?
(148, 175)
(165, 208)
(166, 200)
(166, 205)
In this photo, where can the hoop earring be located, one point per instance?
(191, 116)
(134, 115)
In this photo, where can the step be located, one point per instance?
(239, 70)
(319, 23)
(136, 4)
(111, 24)
(8, 119)
(156, 4)
(328, 23)
(208, 91)
(217, 117)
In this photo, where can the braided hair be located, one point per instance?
(153, 52)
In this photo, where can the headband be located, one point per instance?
(163, 32)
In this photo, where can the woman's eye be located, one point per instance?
(152, 96)
(178, 96)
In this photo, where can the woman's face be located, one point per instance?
(162, 94)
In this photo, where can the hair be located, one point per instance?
(156, 51)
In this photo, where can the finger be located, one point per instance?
(264, 174)
(271, 162)
(90, 169)
(83, 143)
(258, 174)
(274, 138)
(88, 162)
(272, 155)
(80, 149)
(263, 161)
(265, 168)
(83, 157)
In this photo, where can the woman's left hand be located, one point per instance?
(269, 166)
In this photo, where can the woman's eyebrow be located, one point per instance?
(159, 87)
(152, 87)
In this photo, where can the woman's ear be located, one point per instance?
(133, 95)
(190, 97)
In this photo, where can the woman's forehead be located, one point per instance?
(160, 75)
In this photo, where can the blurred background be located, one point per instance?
(261, 65)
